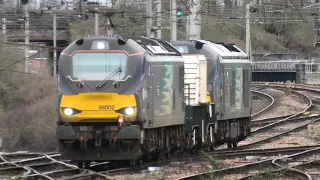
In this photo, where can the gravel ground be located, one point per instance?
(310, 94)
(295, 139)
(290, 162)
(258, 102)
(238, 176)
(298, 161)
(312, 169)
(284, 105)
(274, 131)
(313, 96)
(170, 172)
(271, 132)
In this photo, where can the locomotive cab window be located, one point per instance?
(97, 66)
(182, 49)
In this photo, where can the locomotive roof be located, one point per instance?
(155, 47)
(223, 49)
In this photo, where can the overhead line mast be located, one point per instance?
(27, 40)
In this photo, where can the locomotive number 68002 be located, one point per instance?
(106, 107)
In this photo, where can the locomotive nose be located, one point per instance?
(91, 107)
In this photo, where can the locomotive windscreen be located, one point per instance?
(98, 66)
(182, 49)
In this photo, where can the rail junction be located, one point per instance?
(51, 166)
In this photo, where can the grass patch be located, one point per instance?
(275, 175)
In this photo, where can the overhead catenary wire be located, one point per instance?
(18, 61)
(217, 14)
(6, 66)
(21, 72)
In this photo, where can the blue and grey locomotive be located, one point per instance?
(119, 99)
(229, 84)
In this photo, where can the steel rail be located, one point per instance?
(228, 154)
(278, 135)
(28, 169)
(294, 86)
(245, 166)
(75, 167)
(294, 166)
(43, 157)
(115, 171)
(300, 174)
(269, 121)
(268, 151)
(274, 161)
(282, 122)
(267, 107)
(287, 118)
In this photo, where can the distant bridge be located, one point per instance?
(300, 71)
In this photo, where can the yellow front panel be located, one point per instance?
(88, 104)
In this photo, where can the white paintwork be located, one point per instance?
(195, 69)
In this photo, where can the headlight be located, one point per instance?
(68, 111)
(129, 111)
(100, 45)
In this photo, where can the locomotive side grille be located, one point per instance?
(195, 77)
(190, 77)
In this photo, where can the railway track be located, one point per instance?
(259, 121)
(299, 119)
(220, 155)
(269, 165)
(299, 122)
(41, 166)
(295, 166)
(263, 110)
(44, 167)
(261, 152)
(243, 150)
(266, 121)
(270, 124)
(50, 166)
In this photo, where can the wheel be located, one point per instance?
(80, 164)
(212, 140)
(87, 164)
(136, 163)
(234, 144)
(140, 162)
(162, 157)
(210, 148)
(124, 163)
(194, 137)
(168, 155)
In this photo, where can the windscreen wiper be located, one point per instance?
(102, 83)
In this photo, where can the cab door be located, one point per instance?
(150, 115)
